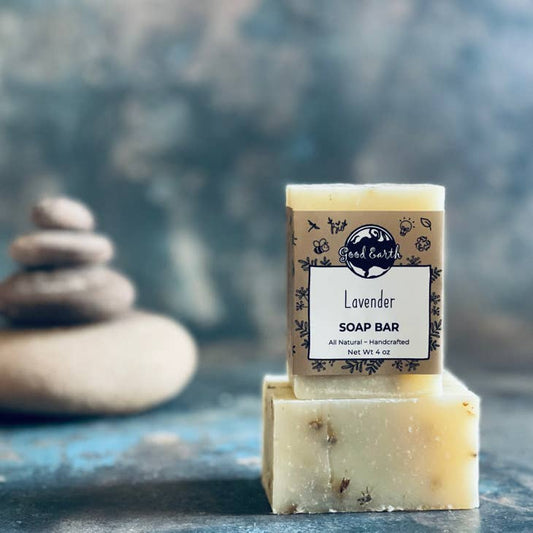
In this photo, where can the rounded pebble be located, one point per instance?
(65, 296)
(62, 213)
(122, 366)
(61, 248)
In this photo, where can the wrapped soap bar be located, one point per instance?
(365, 280)
(370, 454)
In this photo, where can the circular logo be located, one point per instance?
(369, 251)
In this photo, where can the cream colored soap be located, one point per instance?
(379, 197)
(370, 454)
(318, 387)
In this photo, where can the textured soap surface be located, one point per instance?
(324, 387)
(383, 196)
(372, 454)
(378, 197)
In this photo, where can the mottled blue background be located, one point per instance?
(180, 122)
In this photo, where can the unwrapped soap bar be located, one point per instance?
(370, 454)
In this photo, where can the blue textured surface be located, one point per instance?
(193, 465)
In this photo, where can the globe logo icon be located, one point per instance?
(370, 251)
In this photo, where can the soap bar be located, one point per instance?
(327, 375)
(370, 454)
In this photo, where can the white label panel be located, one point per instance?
(351, 317)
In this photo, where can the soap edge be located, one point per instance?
(402, 188)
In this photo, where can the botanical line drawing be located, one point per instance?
(435, 328)
(307, 263)
(398, 364)
(302, 328)
(319, 365)
(412, 365)
(413, 260)
(302, 298)
(405, 364)
(435, 298)
(338, 226)
(435, 274)
(370, 366)
(425, 222)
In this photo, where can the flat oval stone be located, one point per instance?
(61, 248)
(121, 366)
(62, 213)
(65, 296)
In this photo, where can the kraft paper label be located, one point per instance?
(365, 292)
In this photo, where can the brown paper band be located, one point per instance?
(365, 292)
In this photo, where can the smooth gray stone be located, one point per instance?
(61, 248)
(65, 296)
(62, 213)
(120, 366)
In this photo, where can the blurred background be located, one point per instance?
(180, 122)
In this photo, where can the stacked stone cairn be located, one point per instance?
(64, 277)
(73, 344)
